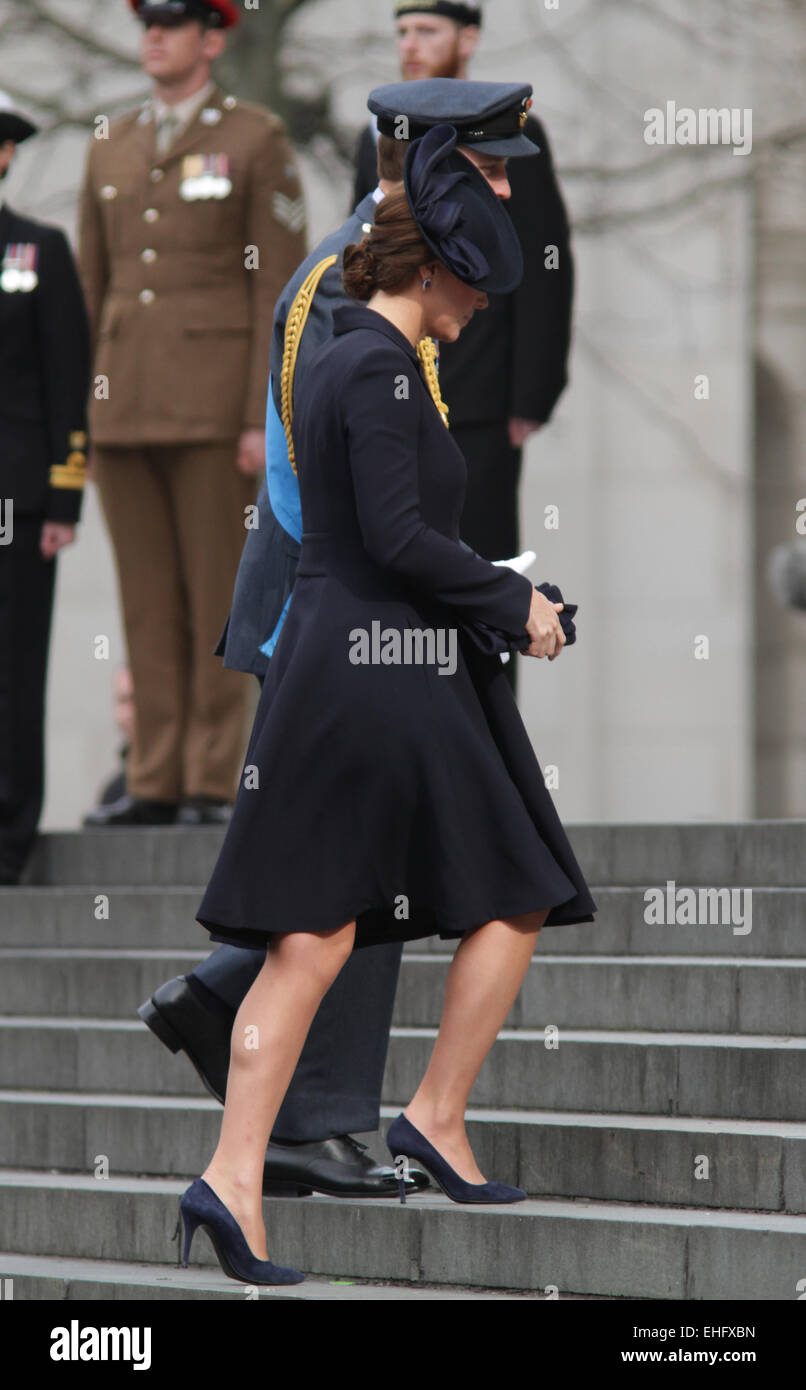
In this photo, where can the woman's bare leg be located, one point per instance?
(267, 1038)
(486, 974)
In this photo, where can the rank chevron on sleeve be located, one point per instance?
(289, 211)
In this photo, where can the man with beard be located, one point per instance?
(503, 377)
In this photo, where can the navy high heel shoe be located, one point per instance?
(405, 1141)
(200, 1206)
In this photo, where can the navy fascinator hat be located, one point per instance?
(458, 215)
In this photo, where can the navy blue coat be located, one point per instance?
(400, 792)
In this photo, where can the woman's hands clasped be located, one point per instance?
(543, 626)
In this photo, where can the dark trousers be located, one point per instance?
(26, 607)
(490, 518)
(336, 1088)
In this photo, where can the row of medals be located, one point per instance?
(18, 274)
(205, 176)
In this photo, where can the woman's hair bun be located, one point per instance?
(389, 256)
(360, 271)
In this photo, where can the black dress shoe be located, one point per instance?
(181, 1021)
(132, 810)
(341, 1167)
(204, 810)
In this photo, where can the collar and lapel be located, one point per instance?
(13, 227)
(350, 316)
(365, 212)
(198, 132)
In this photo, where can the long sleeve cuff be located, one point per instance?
(66, 481)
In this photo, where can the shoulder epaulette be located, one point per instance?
(294, 327)
(427, 353)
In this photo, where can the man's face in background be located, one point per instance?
(172, 53)
(493, 167)
(433, 46)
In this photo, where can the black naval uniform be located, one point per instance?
(511, 360)
(44, 379)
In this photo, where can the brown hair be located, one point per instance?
(389, 255)
(391, 154)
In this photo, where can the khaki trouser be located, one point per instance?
(176, 517)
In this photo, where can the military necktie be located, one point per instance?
(166, 131)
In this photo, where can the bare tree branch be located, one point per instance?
(76, 33)
(776, 139)
(655, 409)
(689, 198)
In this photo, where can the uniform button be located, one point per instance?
(230, 103)
(150, 215)
(157, 175)
(149, 255)
(366, 228)
(108, 192)
(147, 296)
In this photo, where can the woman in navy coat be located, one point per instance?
(390, 790)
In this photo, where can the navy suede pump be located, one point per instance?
(405, 1141)
(200, 1206)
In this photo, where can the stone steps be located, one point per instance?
(711, 994)
(767, 853)
(662, 1140)
(149, 918)
(628, 1250)
(52, 1278)
(754, 1165)
(635, 1073)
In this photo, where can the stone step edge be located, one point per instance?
(747, 1041)
(600, 827)
(147, 890)
(536, 1208)
(184, 955)
(71, 1272)
(581, 1119)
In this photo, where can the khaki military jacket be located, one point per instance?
(182, 257)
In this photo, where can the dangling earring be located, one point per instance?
(427, 283)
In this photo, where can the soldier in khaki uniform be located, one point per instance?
(192, 221)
